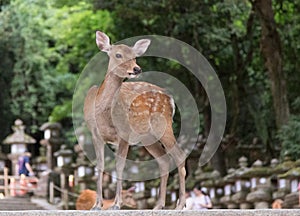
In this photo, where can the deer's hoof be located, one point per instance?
(114, 207)
(95, 209)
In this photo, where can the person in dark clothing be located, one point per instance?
(24, 166)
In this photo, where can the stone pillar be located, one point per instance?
(229, 190)
(291, 200)
(141, 195)
(51, 141)
(64, 168)
(213, 188)
(261, 191)
(281, 183)
(242, 184)
(83, 170)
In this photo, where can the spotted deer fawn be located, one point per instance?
(128, 113)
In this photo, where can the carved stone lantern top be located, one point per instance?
(229, 177)
(284, 166)
(274, 162)
(19, 136)
(257, 170)
(243, 162)
(293, 173)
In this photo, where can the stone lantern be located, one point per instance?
(51, 141)
(43, 173)
(214, 189)
(229, 190)
(261, 189)
(141, 194)
(282, 182)
(63, 157)
(64, 161)
(83, 169)
(18, 142)
(242, 184)
(291, 200)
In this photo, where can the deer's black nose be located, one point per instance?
(137, 70)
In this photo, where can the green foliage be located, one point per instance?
(45, 46)
(75, 35)
(288, 18)
(22, 30)
(289, 136)
(74, 40)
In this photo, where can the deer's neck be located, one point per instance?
(109, 88)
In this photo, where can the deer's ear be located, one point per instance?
(131, 189)
(141, 46)
(102, 41)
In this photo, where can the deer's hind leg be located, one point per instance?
(169, 142)
(163, 160)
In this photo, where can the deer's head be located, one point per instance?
(122, 58)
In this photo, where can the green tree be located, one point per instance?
(30, 75)
(74, 40)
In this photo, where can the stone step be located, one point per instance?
(18, 204)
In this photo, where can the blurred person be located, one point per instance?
(201, 200)
(24, 166)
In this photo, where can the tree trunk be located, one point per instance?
(271, 50)
(218, 159)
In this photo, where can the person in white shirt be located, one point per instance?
(201, 200)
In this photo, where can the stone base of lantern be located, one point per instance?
(216, 203)
(280, 194)
(227, 201)
(245, 205)
(151, 202)
(232, 206)
(142, 204)
(261, 198)
(261, 205)
(291, 200)
(239, 197)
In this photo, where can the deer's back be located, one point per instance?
(141, 96)
(141, 108)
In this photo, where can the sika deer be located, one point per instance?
(87, 198)
(127, 113)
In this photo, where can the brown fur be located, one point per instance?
(87, 199)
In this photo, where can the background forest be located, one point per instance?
(253, 45)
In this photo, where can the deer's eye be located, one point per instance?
(118, 55)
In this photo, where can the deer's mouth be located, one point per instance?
(133, 74)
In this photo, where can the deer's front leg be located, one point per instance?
(99, 149)
(120, 164)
